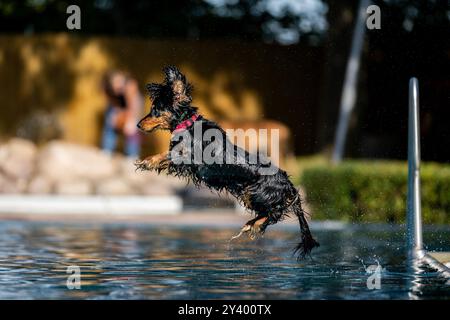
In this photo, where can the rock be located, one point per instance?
(157, 190)
(114, 187)
(64, 161)
(130, 175)
(40, 185)
(163, 179)
(17, 158)
(73, 187)
(12, 186)
(140, 179)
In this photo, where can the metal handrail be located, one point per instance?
(414, 211)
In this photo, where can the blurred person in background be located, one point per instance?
(125, 104)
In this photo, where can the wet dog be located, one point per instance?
(258, 185)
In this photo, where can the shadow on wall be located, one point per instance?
(56, 78)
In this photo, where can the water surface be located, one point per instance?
(141, 261)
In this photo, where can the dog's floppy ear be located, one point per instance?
(180, 87)
(154, 90)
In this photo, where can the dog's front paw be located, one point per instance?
(142, 165)
(157, 162)
(163, 164)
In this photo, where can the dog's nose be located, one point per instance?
(139, 125)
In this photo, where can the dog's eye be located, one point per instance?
(155, 112)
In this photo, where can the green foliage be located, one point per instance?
(375, 191)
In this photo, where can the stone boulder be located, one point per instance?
(127, 170)
(114, 187)
(74, 187)
(142, 179)
(12, 186)
(64, 161)
(17, 159)
(151, 189)
(40, 184)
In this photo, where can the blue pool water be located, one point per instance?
(139, 261)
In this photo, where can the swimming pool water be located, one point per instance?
(143, 261)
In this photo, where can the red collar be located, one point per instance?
(186, 123)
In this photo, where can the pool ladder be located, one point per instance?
(437, 260)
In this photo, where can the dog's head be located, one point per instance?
(170, 102)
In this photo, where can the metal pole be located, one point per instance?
(348, 97)
(414, 213)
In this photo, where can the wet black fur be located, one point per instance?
(273, 195)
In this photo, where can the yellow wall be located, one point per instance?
(61, 73)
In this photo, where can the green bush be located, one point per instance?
(374, 191)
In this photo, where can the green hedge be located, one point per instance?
(374, 191)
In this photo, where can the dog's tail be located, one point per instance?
(308, 242)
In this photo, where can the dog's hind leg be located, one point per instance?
(243, 230)
(254, 227)
(257, 226)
